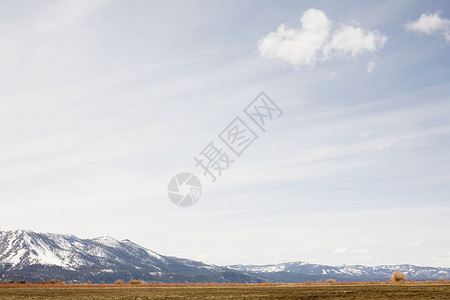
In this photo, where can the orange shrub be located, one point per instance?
(398, 276)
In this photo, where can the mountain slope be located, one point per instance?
(26, 255)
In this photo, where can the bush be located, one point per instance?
(52, 281)
(136, 281)
(398, 276)
(119, 281)
(330, 280)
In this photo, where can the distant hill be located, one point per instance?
(301, 271)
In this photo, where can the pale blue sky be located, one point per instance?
(102, 102)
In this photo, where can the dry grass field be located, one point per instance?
(408, 291)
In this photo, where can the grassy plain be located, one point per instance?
(410, 291)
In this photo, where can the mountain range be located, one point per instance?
(36, 257)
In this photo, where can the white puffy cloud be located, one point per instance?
(431, 24)
(314, 42)
(298, 46)
(350, 40)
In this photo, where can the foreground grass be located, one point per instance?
(291, 291)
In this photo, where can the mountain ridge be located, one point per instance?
(35, 257)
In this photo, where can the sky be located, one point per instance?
(103, 102)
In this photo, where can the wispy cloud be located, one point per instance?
(360, 250)
(371, 65)
(340, 250)
(414, 244)
(343, 250)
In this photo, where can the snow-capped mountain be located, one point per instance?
(21, 248)
(36, 257)
(301, 271)
(30, 256)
